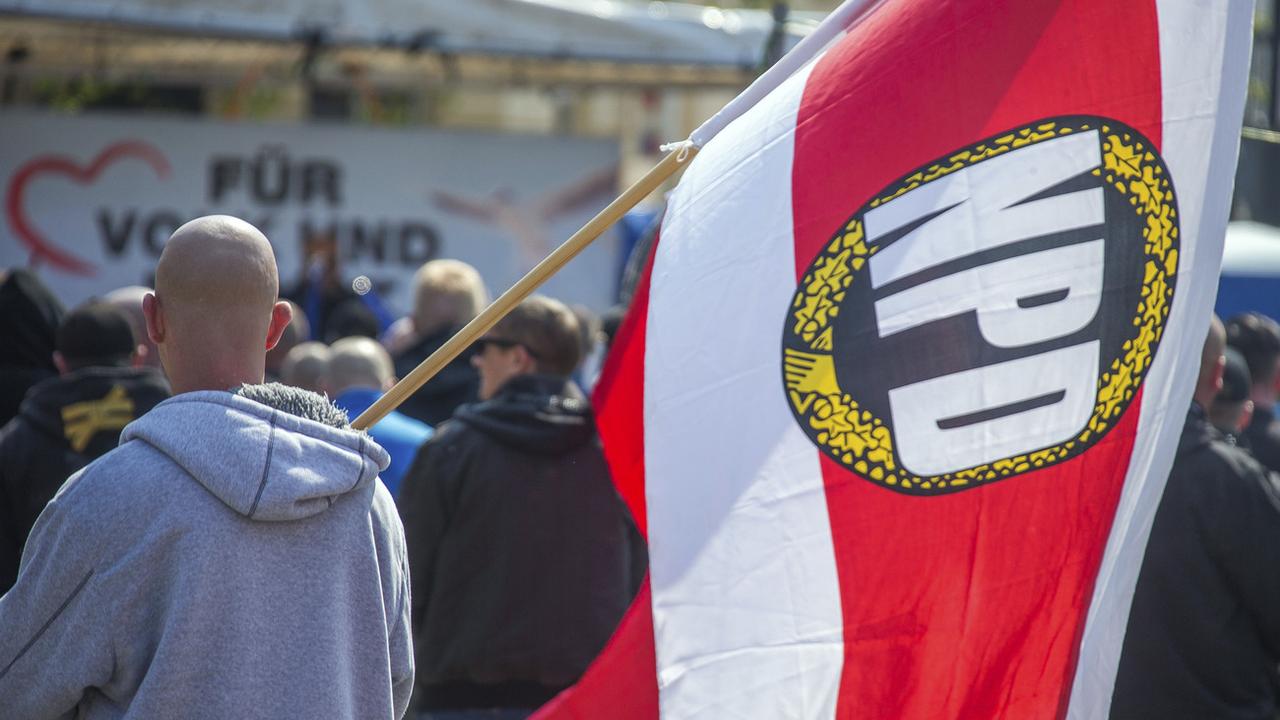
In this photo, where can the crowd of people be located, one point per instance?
(189, 524)
(1203, 638)
(245, 552)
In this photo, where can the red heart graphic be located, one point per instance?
(41, 248)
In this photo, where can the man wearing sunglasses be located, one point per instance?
(523, 558)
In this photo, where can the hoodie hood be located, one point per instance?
(29, 318)
(286, 460)
(539, 414)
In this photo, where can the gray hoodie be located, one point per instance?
(228, 560)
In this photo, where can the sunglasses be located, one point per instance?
(503, 343)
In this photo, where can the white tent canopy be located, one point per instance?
(611, 30)
(1252, 249)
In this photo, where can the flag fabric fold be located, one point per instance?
(902, 386)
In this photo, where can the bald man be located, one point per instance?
(358, 371)
(1203, 639)
(235, 556)
(304, 366)
(129, 301)
(295, 334)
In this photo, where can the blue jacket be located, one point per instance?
(400, 435)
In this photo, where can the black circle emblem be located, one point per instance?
(989, 314)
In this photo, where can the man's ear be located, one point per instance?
(60, 362)
(528, 363)
(1246, 416)
(1219, 368)
(281, 316)
(155, 322)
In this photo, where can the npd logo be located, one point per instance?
(990, 314)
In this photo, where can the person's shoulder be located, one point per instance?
(131, 474)
(385, 520)
(146, 382)
(117, 488)
(405, 428)
(453, 432)
(382, 508)
(450, 446)
(14, 433)
(1220, 466)
(1228, 455)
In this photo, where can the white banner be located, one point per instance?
(90, 200)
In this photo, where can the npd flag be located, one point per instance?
(899, 398)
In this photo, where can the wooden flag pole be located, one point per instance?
(498, 309)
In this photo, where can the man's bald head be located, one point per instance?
(304, 366)
(358, 362)
(1212, 360)
(215, 313)
(129, 301)
(217, 262)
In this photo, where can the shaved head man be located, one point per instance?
(358, 362)
(1203, 638)
(129, 301)
(357, 373)
(304, 366)
(295, 333)
(236, 528)
(1212, 362)
(216, 310)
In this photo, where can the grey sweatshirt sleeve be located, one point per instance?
(393, 561)
(400, 642)
(53, 647)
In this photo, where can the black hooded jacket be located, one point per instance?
(1203, 639)
(452, 387)
(29, 317)
(64, 424)
(1262, 437)
(523, 557)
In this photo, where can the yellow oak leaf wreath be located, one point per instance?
(861, 441)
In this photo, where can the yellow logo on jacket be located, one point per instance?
(82, 420)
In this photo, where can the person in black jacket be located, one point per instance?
(68, 421)
(29, 317)
(1231, 409)
(447, 295)
(1203, 639)
(1257, 338)
(523, 557)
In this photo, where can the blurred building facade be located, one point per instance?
(640, 73)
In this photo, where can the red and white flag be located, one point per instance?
(898, 398)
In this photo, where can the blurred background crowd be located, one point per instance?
(407, 160)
